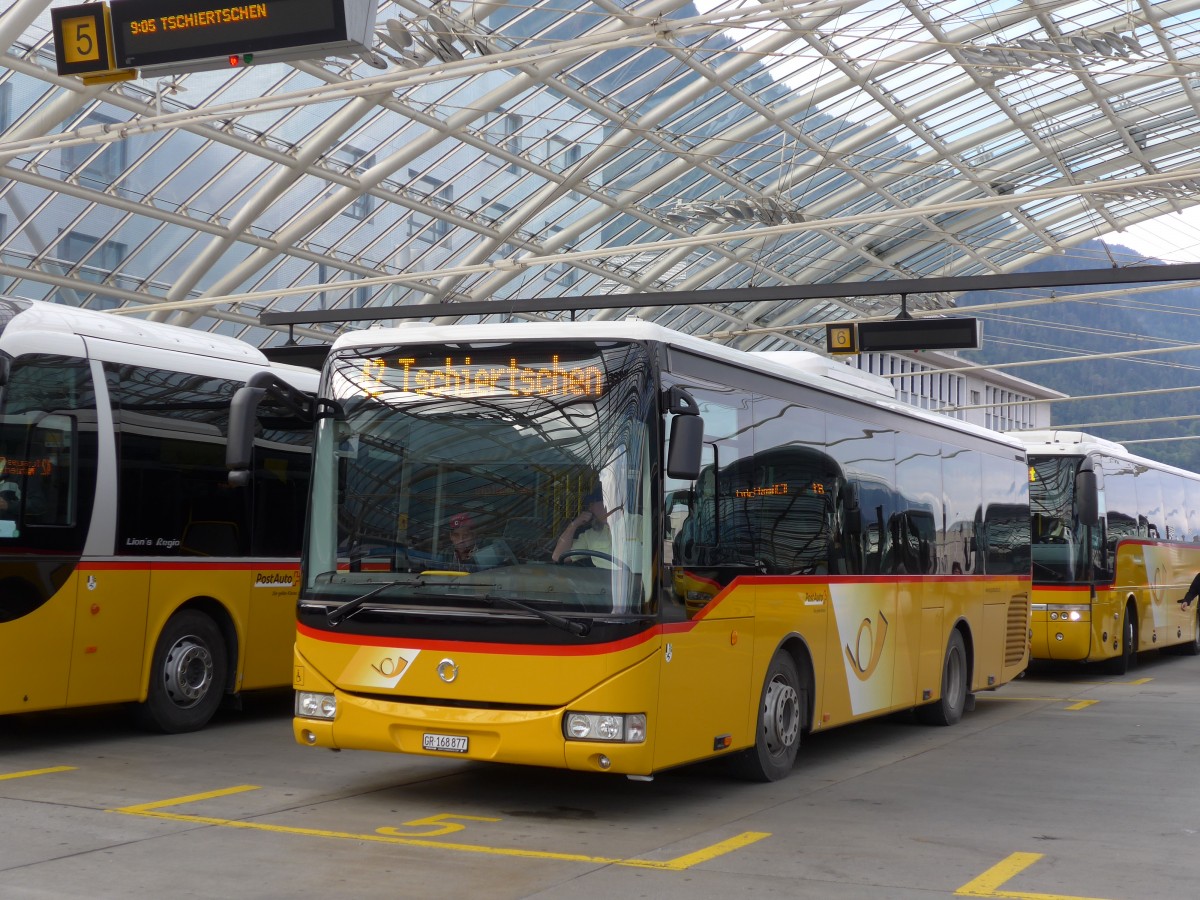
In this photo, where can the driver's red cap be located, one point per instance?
(461, 520)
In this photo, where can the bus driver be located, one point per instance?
(588, 531)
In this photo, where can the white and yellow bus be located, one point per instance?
(1116, 544)
(130, 571)
(788, 549)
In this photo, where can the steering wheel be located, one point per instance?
(594, 554)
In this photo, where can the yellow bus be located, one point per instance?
(130, 571)
(1116, 544)
(758, 545)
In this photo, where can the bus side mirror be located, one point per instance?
(687, 440)
(687, 435)
(239, 445)
(1087, 500)
(243, 415)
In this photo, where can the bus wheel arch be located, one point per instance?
(782, 713)
(958, 664)
(795, 647)
(192, 666)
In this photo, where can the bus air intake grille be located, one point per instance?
(452, 704)
(1017, 635)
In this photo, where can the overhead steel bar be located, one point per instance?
(821, 291)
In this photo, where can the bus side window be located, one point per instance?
(49, 496)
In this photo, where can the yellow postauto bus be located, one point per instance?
(611, 547)
(130, 571)
(1116, 544)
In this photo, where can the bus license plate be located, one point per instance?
(446, 743)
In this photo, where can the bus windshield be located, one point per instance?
(457, 474)
(1060, 544)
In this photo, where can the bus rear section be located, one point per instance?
(674, 553)
(129, 570)
(1116, 546)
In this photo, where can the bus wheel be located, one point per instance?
(1119, 665)
(949, 709)
(187, 677)
(781, 709)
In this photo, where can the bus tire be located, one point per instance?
(187, 675)
(948, 709)
(781, 709)
(1192, 647)
(1121, 664)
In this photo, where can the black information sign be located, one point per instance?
(162, 32)
(955, 333)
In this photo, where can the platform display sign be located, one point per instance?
(160, 33)
(82, 39)
(949, 333)
(952, 333)
(841, 337)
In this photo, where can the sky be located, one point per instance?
(1172, 238)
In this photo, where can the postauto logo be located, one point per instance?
(274, 579)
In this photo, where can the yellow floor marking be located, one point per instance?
(154, 810)
(1133, 683)
(1075, 704)
(147, 808)
(988, 884)
(30, 772)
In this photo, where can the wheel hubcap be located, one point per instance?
(189, 672)
(781, 716)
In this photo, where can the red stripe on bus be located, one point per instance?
(197, 566)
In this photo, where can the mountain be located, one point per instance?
(1128, 319)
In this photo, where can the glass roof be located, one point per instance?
(506, 150)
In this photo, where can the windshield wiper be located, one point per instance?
(335, 617)
(571, 625)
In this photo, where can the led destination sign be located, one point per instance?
(163, 33)
(470, 377)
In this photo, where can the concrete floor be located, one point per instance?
(1065, 784)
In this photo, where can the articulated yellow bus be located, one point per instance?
(1116, 544)
(611, 547)
(130, 571)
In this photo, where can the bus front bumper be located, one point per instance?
(531, 737)
(1061, 631)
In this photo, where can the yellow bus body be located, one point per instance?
(1070, 624)
(92, 642)
(872, 645)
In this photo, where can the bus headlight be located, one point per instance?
(627, 728)
(315, 706)
(1062, 612)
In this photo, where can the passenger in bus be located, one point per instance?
(463, 541)
(588, 532)
(468, 551)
